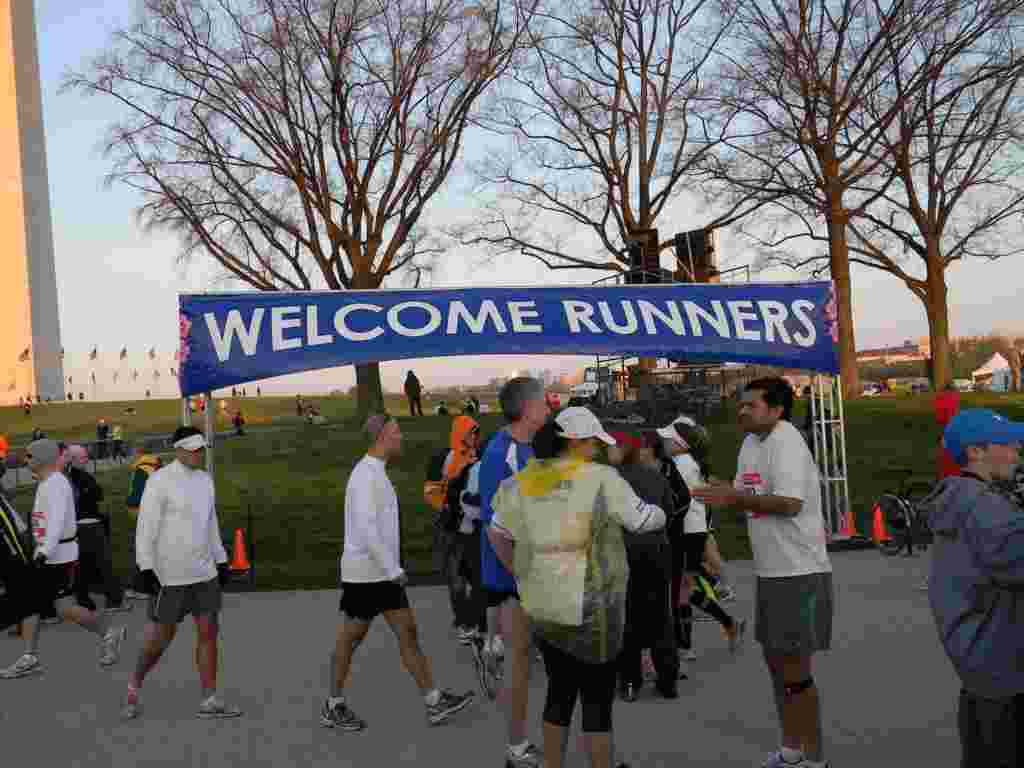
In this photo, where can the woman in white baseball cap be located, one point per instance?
(557, 527)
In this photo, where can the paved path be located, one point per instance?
(888, 692)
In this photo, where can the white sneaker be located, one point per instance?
(27, 665)
(112, 646)
(215, 709)
(776, 760)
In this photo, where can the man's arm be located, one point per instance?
(503, 529)
(362, 497)
(995, 534)
(54, 507)
(216, 544)
(722, 495)
(148, 526)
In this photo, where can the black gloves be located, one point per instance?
(223, 573)
(150, 583)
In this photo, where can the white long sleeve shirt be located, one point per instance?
(178, 534)
(53, 519)
(372, 548)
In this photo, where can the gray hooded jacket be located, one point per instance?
(977, 584)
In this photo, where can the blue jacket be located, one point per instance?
(977, 584)
(502, 459)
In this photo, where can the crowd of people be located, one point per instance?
(589, 549)
(600, 565)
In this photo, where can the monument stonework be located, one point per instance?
(30, 346)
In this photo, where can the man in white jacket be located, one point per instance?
(55, 532)
(183, 564)
(373, 583)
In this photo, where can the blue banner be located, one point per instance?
(229, 339)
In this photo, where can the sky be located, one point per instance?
(118, 284)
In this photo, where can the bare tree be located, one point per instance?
(1010, 349)
(605, 123)
(799, 76)
(952, 185)
(298, 142)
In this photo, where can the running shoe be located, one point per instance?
(776, 760)
(52, 620)
(112, 646)
(726, 594)
(215, 709)
(735, 634)
(466, 635)
(340, 716)
(449, 704)
(131, 708)
(27, 665)
(628, 692)
(131, 594)
(531, 757)
(487, 686)
(122, 608)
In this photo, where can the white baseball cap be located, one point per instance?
(580, 423)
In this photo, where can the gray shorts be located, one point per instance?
(172, 604)
(794, 614)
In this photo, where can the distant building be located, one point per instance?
(909, 351)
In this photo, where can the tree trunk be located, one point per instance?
(936, 305)
(369, 393)
(839, 264)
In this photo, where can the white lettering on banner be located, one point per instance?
(279, 324)
(742, 313)
(775, 315)
(630, 326)
(248, 338)
(488, 311)
(578, 313)
(673, 319)
(695, 312)
(520, 312)
(403, 330)
(347, 333)
(313, 336)
(800, 309)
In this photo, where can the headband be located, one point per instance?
(191, 443)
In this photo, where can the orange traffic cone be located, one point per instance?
(879, 532)
(239, 558)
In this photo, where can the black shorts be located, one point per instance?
(173, 603)
(365, 601)
(497, 597)
(57, 581)
(693, 548)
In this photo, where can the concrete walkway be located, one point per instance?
(889, 693)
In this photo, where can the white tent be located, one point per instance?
(995, 375)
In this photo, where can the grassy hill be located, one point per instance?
(290, 477)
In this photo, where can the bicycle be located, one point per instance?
(904, 519)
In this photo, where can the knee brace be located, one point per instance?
(795, 689)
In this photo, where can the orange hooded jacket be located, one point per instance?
(436, 491)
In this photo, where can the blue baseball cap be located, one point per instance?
(979, 426)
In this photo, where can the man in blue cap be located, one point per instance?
(976, 584)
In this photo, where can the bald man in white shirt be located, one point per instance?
(373, 583)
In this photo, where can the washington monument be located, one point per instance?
(30, 347)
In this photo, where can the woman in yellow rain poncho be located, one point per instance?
(557, 527)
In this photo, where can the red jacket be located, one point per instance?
(947, 405)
